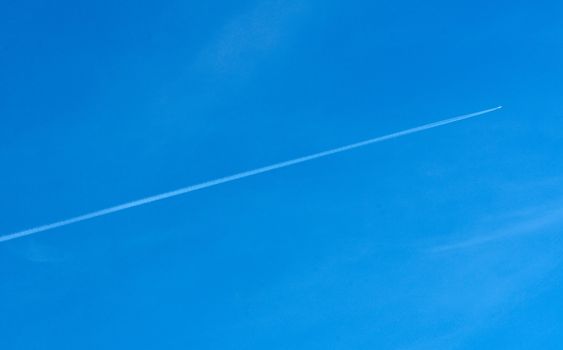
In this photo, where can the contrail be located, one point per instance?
(234, 177)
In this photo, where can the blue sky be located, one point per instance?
(445, 239)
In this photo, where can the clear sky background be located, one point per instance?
(446, 239)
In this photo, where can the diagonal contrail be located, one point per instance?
(234, 177)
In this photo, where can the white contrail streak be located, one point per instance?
(234, 177)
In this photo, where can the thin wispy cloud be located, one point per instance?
(252, 35)
(480, 279)
(523, 226)
(242, 175)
